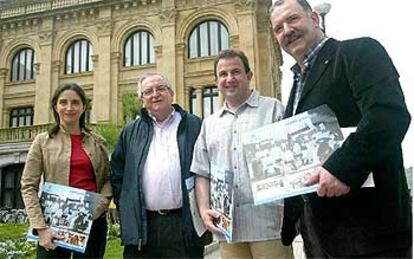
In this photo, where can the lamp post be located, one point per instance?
(322, 10)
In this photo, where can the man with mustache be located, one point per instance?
(358, 81)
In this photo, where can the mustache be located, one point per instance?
(292, 37)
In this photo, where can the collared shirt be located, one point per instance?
(220, 143)
(162, 170)
(299, 78)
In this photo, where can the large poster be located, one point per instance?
(281, 155)
(70, 212)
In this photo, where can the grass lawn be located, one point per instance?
(114, 248)
(11, 231)
(17, 234)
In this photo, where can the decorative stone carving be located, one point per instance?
(56, 65)
(158, 51)
(263, 23)
(115, 55)
(46, 36)
(104, 26)
(245, 5)
(234, 41)
(3, 72)
(180, 48)
(95, 59)
(36, 67)
(168, 15)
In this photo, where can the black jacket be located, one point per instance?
(127, 163)
(358, 81)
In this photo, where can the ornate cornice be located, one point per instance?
(75, 18)
(17, 9)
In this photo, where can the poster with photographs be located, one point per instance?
(221, 199)
(281, 155)
(70, 212)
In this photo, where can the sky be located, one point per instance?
(388, 22)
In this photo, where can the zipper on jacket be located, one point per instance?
(139, 244)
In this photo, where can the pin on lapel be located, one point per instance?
(326, 62)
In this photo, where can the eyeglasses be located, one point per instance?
(158, 89)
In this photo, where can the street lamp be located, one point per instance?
(322, 10)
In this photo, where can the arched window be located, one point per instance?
(139, 49)
(207, 39)
(78, 57)
(23, 65)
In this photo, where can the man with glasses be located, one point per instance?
(150, 168)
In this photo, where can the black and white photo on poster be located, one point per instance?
(221, 199)
(70, 212)
(281, 155)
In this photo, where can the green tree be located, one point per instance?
(131, 106)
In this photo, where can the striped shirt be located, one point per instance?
(299, 78)
(219, 143)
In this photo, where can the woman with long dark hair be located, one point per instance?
(68, 154)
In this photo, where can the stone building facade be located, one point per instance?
(104, 45)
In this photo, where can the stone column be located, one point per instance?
(246, 15)
(199, 98)
(167, 65)
(116, 110)
(101, 111)
(42, 114)
(182, 93)
(3, 74)
(264, 57)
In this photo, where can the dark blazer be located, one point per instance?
(127, 163)
(358, 81)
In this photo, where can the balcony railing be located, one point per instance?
(109, 132)
(21, 134)
(28, 7)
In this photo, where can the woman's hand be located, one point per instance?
(102, 208)
(46, 237)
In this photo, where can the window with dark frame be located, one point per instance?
(193, 101)
(211, 102)
(207, 39)
(10, 187)
(78, 57)
(22, 67)
(139, 49)
(22, 116)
